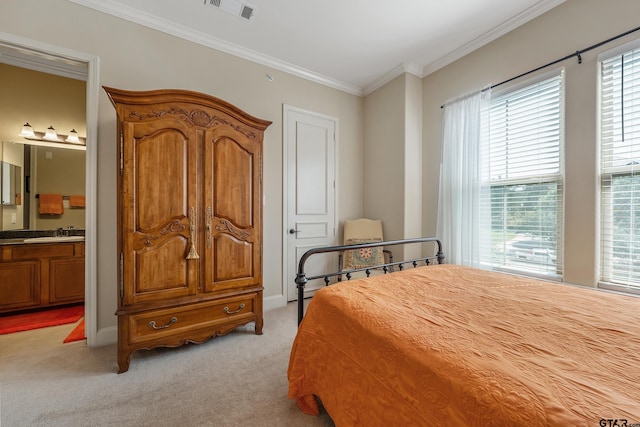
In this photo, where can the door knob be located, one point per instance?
(293, 231)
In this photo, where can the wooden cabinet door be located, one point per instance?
(66, 280)
(159, 208)
(233, 210)
(19, 285)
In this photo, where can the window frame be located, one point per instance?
(604, 209)
(558, 178)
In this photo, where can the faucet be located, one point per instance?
(60, 232)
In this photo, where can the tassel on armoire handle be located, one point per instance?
(193, 254)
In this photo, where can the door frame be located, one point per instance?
(286, 109)
(91, 162)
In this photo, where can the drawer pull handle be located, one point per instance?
(152, 324)
(226, 309)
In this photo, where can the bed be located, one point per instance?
(443, 344)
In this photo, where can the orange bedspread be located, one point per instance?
(453, 346)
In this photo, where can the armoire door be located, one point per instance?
(160, 209)
(233, 211)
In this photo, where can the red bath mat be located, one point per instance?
(77, 334)
(40, 319)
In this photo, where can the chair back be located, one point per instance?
(363, 230)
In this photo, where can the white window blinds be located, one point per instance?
(522, 192)
(620, 171)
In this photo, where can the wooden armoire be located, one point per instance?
(189, 219)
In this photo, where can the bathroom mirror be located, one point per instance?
(11, 188)
(40, 170)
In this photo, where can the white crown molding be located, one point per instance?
(156, 23)
(531, 13)
(510, 25)
(44, 66)
(151, 21)
(398, 70)
(15, 51)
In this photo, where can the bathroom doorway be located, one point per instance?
(34, 55)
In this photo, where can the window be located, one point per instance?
(522, 190)
(620, 171)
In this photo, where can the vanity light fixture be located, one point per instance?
(51, 135)
(27, 131)
(73, 137)
(51, 138)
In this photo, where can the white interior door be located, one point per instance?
(310, 208)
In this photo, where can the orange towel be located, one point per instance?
(51, 204)
(76, 201)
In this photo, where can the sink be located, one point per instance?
(54, 239)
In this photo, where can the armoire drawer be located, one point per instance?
(182, 320)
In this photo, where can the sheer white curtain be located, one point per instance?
(459, 225)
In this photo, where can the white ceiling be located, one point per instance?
(351, 45)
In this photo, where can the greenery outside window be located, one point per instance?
(522, 176)
(620, 170)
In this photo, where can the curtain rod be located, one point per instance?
(577, 53)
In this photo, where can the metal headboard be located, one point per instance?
(302, 279)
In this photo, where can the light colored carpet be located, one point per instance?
(236, 380)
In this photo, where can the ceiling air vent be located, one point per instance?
(246, 12)
(234, 7)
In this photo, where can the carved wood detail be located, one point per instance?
(225, 225)
(172, 227)
(194, 117)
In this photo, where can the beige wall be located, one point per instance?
(413, 163)
(393, 160)
(137, 58)
(574, 25)
(42, 100)
(383, 156)
(375, 133)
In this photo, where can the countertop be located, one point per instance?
(37, 237)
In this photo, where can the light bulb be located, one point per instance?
(27, 131)
(50, 134)
(73, 137)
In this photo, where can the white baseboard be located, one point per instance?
(106, 336)
(276, 301)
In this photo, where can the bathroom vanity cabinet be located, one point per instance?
(39, 275)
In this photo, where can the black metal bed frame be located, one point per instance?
(302, 279)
